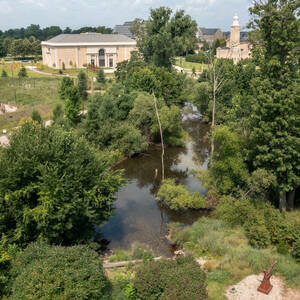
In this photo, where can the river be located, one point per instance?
(138, 217)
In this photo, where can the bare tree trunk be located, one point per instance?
(282, 201)
(213, 121)
(291, 199)
(161, 138)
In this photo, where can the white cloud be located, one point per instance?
(5, 7)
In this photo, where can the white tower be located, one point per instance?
(235, 32)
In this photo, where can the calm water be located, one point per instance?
(138, 216)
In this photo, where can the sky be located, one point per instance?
(79, 13)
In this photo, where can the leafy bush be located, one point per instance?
(53, 187)
(82, 84)
(296, 250)
(180, 279)
(201, 57)
(63, 87)
(22, 73)
(179, 197)
(101, 76)
(258, 235)
(46, 272)
(4, 74)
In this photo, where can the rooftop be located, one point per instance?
(89, 38)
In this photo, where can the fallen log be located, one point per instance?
(121, 264)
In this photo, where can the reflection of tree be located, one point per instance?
(198, 132)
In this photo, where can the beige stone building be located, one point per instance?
(81, 50)
(235, 48)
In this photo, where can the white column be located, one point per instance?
(77, 58)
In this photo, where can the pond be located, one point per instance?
(138, 217)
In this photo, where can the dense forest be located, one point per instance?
(58, 187)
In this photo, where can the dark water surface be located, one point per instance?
(138, 217)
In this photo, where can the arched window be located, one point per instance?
(101, 58)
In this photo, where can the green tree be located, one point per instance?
(66, 83)
(82, 85)
(101, 76)
(73, 104)
(53, 187)
(183, 30)
(157, 45)
(58, 113)
(275, 119)
(22, 73)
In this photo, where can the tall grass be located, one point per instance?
(230, 256)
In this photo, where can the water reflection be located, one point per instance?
(138, 217)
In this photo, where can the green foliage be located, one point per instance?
(263, 223)
(65, 84)
(200, 57)
(164, 37)
(47, 272)
(53, 187)
(63, 66)
(228, 168)
(82, 85)
(4, 74)
(58, 113)
(22, 73)
(73, 104)
(101, 76)
(231, 257)
(130, 292)
(296, 250)
(179, 197)
(36, 117)
(274, 118)
(170, 279)
(128, 139)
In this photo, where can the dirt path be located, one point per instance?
(247, 290)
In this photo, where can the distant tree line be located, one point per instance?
(27, 41)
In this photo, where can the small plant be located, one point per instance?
(101, 76)
(54, 65)
(22, 73)
(36, 117)
(4, 74)
(3, 61)
(296, 250)
(71, 63)
(63, 66)
(130, 292)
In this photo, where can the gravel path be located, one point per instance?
(247, 290)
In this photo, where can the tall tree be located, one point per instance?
(52, 187)
(275, 117)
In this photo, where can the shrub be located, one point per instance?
(63, 66)
(180, 279)
(101, 76)
(4, 74)
(296, 250)
(46, 272)
(22, 73)
(82, 84)
(201, 57)
(36, 117)
(64, 85)
(258, 235)
(179, 197)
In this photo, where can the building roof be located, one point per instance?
(90, 39)
(124, 29)
(208, 31)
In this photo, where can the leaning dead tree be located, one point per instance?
(215, 77)
(161, 138)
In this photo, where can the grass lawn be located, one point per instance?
(71, 72)
(188, 66)
(12, 70)
(28, 94)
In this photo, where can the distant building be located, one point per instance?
(237, 44)
(209, 35)
(124, 29)
(80, 50)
